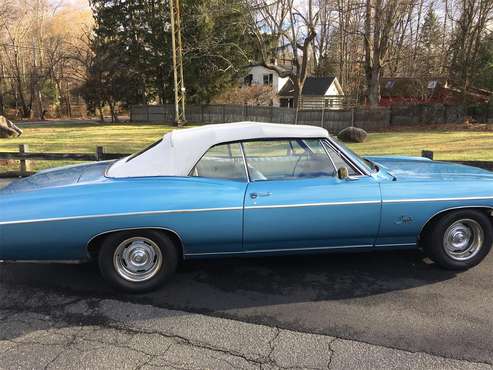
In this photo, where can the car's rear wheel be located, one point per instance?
(459, 240)
(137, 261)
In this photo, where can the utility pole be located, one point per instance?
(174, 8)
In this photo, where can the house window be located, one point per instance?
(432, 84)
(390, 84)
(268, 79)
(286, 102)
(247, 81)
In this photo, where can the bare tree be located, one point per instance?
(382, 19)
(345, 46)
(35, 44)
(280, 24)
(5, 9)
(471, 26)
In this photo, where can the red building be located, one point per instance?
(407, 91)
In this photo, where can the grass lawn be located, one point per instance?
(81, 138)
(127, 138)
(446, 145)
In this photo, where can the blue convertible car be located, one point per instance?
(244, 189)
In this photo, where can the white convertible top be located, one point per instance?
(178, 152)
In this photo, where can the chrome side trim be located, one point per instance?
(314, 204)
(450, 209)
(68, 262)
(143, 213)
(278, 250)
(434, 199)
(193, 210)
(396, 245)
(139, 228)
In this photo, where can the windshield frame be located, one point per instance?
(352, 156)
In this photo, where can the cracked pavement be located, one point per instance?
(40, 330)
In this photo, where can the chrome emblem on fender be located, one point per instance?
(404, 220)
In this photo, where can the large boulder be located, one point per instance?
(8, 129)
(352, 135)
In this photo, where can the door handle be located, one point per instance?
(257, 195)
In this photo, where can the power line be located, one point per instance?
(30, 47)
(177, 53)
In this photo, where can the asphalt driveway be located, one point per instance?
(392, 299)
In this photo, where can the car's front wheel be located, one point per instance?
(459, 240)
(137, 261)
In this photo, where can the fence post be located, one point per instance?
(427, 154)
(201, 113)
(245, 111)
(25, 165)
(147, 112)
(352, 117)
(391, 116)
(99, 153)
(224, 113)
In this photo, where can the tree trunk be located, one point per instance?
(26, 111)
(296, 94)
(101, 115)
(2, 111)
(114, 117)
(374, 86)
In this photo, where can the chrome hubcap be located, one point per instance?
(137, 259)
(463, 239)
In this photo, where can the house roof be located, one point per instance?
(411, 87)
(422, 87)
(314, 86)
(178, 152)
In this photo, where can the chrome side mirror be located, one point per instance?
(342, 173)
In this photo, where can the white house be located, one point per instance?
(259, 75)
(317, 93)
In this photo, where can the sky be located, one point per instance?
(71, 3)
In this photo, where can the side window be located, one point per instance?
(295, 148)
(287, 159)
(248, 80)
(268, 79)
(223, 161)
(339, 160)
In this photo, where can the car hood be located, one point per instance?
(61, 176)
(422, 168)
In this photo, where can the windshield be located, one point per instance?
(365, 163)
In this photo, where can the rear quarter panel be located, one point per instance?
(57, 223)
